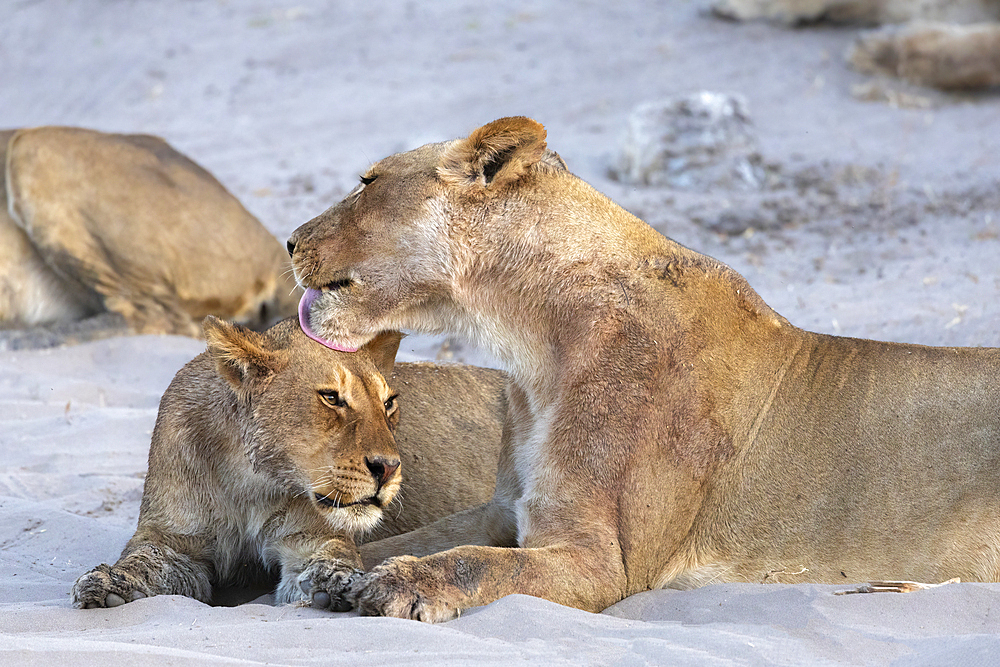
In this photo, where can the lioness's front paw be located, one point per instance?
(103, 587)
(331, 584)
(404, 587)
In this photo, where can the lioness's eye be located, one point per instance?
(368, 180)
(332, 398)
(390, 403)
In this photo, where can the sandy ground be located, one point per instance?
(882, 221)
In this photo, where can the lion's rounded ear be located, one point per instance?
(245, 358)
(497, 153)
(382, 349)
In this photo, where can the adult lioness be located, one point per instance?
(93, 222)
(666, 427)
(270, 453)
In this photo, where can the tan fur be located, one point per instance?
(252, 450)
(95, 222)
(941, 55)
(666, 427)
(947, 44)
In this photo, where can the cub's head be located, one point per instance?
(393, 252)
(319, 423)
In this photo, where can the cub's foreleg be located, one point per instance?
(320, 570)
(146, 567)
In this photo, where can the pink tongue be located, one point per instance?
(304, 304)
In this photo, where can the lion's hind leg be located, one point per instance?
(144, 570)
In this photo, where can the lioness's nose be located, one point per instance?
(290, 244)
(382, 468)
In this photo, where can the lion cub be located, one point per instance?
(271, 453)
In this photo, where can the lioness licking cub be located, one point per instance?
(271, 454)
(666, 427)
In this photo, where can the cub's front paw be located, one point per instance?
(104, 587)
(331, 584)
(405, 587)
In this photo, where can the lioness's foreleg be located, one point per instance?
(436, 588)
(144, 569)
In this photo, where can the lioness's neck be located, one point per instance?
(530, 287)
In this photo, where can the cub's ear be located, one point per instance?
(495, 154)
(245, 358)
(383, 349)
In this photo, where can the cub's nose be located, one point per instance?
(382, 469)
(290, 244)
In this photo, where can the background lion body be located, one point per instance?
(97, 222)
(667, 428)
(948, 44)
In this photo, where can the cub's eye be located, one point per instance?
(390, 403)
(368, 180)
(332, 398)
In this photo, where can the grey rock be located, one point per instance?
(694, 142)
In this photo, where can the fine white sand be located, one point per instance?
(884, 222)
